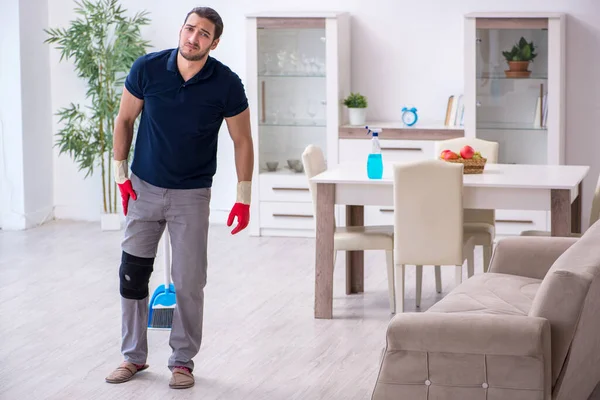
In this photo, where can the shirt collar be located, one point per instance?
(204, 73)
(172, 62)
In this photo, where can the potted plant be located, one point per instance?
(103, 42)
(518, 59)
(357, 108)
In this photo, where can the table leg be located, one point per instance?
(560, 204)
(576, 212)
(355, 260)
(324, 250)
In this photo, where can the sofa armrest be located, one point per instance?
(461, 355)
(528, 256)
(468, 333)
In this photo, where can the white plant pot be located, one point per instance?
(358, 116)
(110, 222)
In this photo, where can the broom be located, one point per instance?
(162, 303)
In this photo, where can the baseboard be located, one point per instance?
(13, 222)
(18, 222)
(77, 213)
(40, 216)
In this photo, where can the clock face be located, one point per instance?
(409, 117)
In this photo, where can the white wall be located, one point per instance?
(74, 196)
(37, 112)
(12, 204)
(25, 116)
(416, 47)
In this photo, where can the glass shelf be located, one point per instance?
(292, 93)
(281, 170)
(512, 109)
(495, 77)
(298, 123)
(509, 126)
(299, 75)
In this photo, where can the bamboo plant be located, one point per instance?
(103, 42)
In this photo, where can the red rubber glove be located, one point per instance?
(126, 192)
(242, 212)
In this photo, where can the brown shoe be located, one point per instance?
(181, 379)
(124, 372)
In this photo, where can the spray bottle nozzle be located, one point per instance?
(374, 131)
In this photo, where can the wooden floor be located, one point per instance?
(60, 320)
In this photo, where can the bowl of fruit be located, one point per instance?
(472, 160)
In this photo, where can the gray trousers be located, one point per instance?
(185, 214)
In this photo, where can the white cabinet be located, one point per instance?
(298, 71)
(277, 188)
(391, 150)
(524, 111)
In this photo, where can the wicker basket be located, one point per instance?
(471, 166)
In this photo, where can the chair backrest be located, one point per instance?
(314, 163)
(428, 213)
(568, 298)
(488, 149)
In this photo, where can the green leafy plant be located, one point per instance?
(355, 100)
(103, 43)
(522, 51)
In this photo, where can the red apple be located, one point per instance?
(450, 155)
(467, 152)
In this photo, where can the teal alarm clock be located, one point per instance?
(409, 116)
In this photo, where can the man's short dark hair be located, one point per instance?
(211, 15)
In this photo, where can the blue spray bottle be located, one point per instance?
(374, 161)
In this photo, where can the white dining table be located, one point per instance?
(555, 188)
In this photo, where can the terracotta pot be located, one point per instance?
(518, 65)
(518, 69)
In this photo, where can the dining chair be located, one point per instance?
(481, 224)
(428, 222)
(352, 238)
(594, 215)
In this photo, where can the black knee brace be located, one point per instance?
(134, 275)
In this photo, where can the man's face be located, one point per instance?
(196, 38)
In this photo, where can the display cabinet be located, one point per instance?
(298, 72)
(519, 104)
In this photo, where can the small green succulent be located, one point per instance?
(522, 51)
(356, 100)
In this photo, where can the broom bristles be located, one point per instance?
(162, 317)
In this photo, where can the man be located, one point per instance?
(183, 95)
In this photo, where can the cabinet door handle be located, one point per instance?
(292, 216)
(541, 104)
(386, 210)
(291, 189)
(402, 148)
(515, 221)
(263, 105)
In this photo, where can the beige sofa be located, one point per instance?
(527, 329)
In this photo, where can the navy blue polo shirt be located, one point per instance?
(176, 143)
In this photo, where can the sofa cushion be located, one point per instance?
(490, 293)
(563, 291)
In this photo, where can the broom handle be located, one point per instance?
(167, 251)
